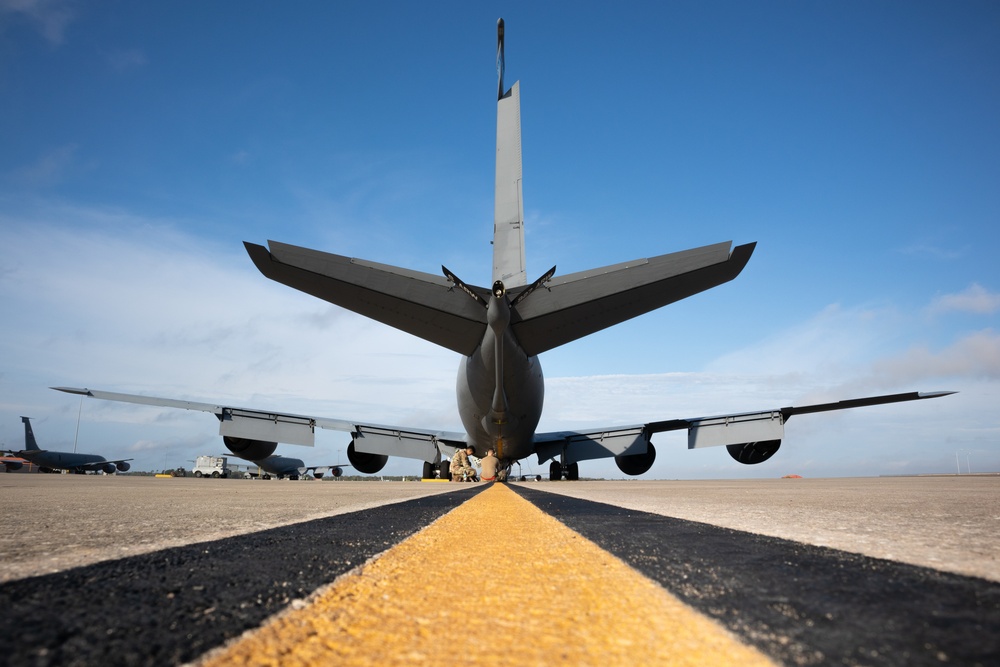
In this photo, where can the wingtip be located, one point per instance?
(259, 255)
(73, 390)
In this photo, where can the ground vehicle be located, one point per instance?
(211, 466)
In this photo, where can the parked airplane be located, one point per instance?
(49, 461)
(292, 468)
(500, 331)
(14, 463)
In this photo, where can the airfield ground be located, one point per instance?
(900, 570)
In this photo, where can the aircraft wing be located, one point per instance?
(272, 426)
(752, 434)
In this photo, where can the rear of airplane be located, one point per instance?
(29, 436)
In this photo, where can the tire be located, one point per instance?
(198, 473)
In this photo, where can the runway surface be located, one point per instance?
(104, 570)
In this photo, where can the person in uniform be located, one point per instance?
(490, 465)
(460, 464)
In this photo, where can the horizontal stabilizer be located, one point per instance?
(421, 304)
(578, 304)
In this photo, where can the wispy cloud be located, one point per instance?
(976, 355)
(931, 251)
(48, 170)
(125, 60)
(975, 299)
(50, 17)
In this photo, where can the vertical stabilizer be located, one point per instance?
(29, 436)
(508, 208)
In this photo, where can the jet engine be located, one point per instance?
(750, 453)
(13, 465)
(108, 468)
(251, 450)
(636, 464)
(123, 466)
(364, 462)
(336, 471)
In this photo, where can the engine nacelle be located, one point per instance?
(13, 465)
(366, 463)
(637, 464)
(123, 466)
(336, 471)
(251, 450)
(109, 468)
(751, 453)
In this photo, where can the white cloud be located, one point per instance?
(975, 299)
(104, 299)
(976, 355)
(50, 17)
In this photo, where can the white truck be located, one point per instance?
(211, 466)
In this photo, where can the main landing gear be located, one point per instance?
(437, 470)
(571, 471)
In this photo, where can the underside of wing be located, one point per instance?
(749, 437)
(421, 304)
(768, 425)
(576, 305)
(253, 428)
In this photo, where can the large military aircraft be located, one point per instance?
(292, 468)
(50, 461)
(500, 331)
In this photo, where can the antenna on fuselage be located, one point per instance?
(500, 65)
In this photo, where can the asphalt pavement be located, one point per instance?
(129, 570)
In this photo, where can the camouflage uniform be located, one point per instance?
(460, 464)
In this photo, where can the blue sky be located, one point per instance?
(857, 143)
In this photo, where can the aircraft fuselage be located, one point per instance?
(500, 410)
(61, 460)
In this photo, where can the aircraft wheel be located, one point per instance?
(267, 477)
(555, 471)
(293, 477)
(428, 470)
(198, 473)
(445, 467)
(573, 472)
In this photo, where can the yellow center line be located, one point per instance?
(494, 582)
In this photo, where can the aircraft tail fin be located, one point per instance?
(29, 435)
(508, 207)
